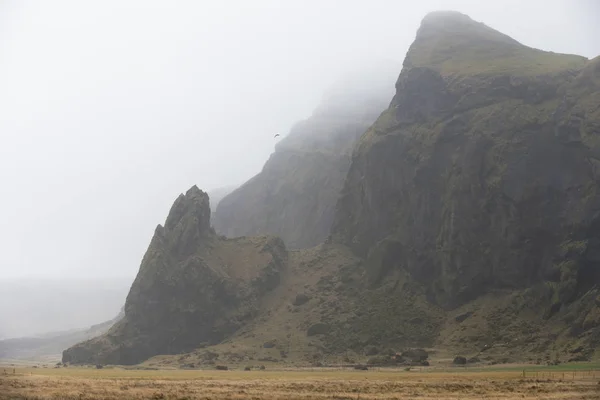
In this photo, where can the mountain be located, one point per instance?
(196, 289)
(50, 345)
(467, 223)
(192, 288)
(481, 172)
(482, 178)
(294, 195)
(216, 195)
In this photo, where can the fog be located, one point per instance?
(110, 109)
(32, 307)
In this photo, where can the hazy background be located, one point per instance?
(110, 109)
(33, 306)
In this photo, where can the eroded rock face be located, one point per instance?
(482, 172)
(192, 288)
(294, 196)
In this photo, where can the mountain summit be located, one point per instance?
(451, 43)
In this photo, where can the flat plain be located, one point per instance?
(117, 383)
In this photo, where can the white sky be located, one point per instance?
(110, 109)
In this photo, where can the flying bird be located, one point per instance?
(277, 134)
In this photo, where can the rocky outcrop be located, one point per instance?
(482, 174)
(294, 195)
(192, 288)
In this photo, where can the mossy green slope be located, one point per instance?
(453, 44)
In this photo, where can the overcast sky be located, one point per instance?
(110, 109)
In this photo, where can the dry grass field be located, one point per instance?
(81, 383)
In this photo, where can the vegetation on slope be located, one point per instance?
(453, 44)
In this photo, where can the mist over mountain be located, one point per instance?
(216, 195)
(33, 307)
(295, 193)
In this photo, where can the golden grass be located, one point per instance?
(80, 383)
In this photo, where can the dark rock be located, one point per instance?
(361, 367)
(222, 367)
(318, 329)
(415, 355)
(301, 299)
(269, 344)
(459, 360)
(579, 358)
(460, 318)
(578, 349)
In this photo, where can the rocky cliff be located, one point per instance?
(193, 288)
(294, 195)
(482, 172)
(468, 222)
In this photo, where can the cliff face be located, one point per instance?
(192, 288)
(216, 195)
(483, 172)
(294, 196)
